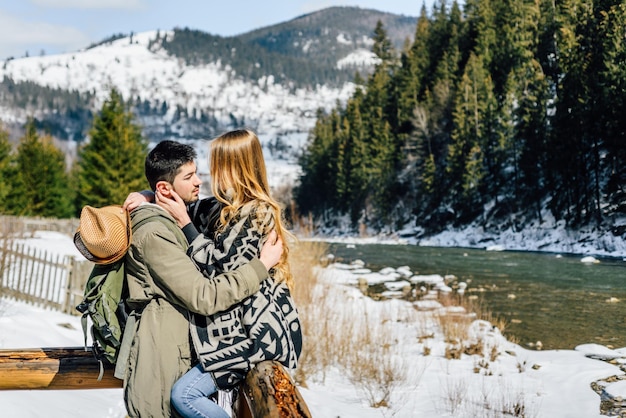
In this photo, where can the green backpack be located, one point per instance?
(104, 302)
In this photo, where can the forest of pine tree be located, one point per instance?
(498, 112)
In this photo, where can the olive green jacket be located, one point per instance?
(164, 286)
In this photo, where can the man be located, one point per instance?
(164, 285)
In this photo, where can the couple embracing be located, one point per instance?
(211, 301)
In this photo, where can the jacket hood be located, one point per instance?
(149, 210)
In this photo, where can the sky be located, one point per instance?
(57, 26)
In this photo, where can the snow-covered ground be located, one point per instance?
(552, 383)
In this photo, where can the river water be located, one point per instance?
(545, 297)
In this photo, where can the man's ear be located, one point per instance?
(164, 188)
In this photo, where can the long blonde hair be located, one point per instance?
(239, 178)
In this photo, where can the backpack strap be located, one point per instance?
(124, 350)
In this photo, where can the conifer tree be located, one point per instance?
(434, 136)
(111, 164)
(613, 87)
(41, 183)
(379, 112)
(316, 191)
(354, 158)
(569, 159)
(528, 93)
(410, 78)
(472, 119)
(5, 161)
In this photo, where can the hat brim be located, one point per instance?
(82, 248)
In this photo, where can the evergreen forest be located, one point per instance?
(302, 52)
(36, 179)
(499, 112)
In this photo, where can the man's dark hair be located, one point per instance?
(165, 160)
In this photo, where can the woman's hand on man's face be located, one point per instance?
(174, 206)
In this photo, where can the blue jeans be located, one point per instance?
(190, 395)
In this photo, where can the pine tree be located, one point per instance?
(316, 192)
(382, 148)
(473, 119)
(5, 167)
(570, 159)
(111, 165)
(528, 90)
(350, 171)
(435, 112)
(613, 87)
(411, 76)
(41, 183)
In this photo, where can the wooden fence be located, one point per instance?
(38, 276)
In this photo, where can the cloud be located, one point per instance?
(91, 4)
(18, 35)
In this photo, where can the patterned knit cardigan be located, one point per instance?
(264, 326)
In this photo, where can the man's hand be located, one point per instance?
(175, 207)
(271, 251)
(137, 198)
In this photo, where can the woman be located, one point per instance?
(233, 228)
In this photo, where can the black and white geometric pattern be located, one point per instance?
(264, 326)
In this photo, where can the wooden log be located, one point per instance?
(267, 392)
(270, 392)
(53, 368)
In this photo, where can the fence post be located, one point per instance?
(77, 272)
(70, 263)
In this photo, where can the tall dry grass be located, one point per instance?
(341, 335)
(304, 258)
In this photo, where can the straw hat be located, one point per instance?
(103, 234)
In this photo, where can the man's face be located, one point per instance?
(187, 183)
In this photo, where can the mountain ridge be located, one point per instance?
(186, 93)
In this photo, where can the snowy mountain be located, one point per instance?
(186, 84)
(190, 85)
(151, 77)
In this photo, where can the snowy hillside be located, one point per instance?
(152, 75)
(144, 73)
(190, 85)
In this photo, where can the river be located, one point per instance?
(545, 297)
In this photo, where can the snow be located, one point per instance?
(138, 70)
(551, 383)
(360, 57)
(549, 236)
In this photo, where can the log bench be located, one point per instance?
(268, 390)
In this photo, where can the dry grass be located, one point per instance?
(455, 394)
(340, 334)
(494, 401)
(373, 364)
(454, 326)
(304, 257)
